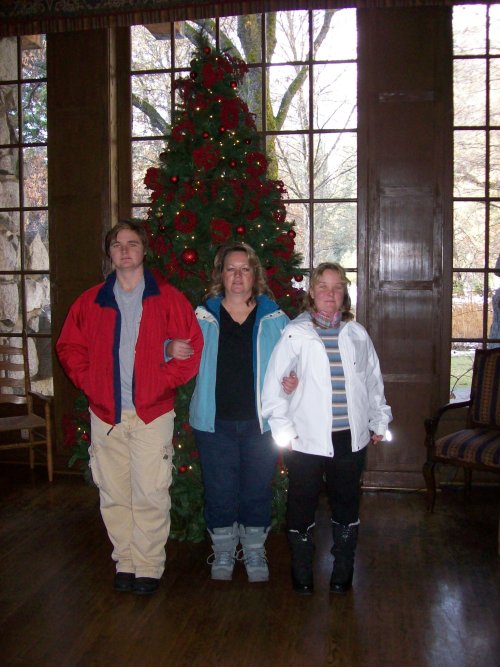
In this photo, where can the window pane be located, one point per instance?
(34, 57)
(34, 110)
(469, 163)
(495, 91)
(468, 235)
(341, 40)
(8, 58)
(149, 52)
(494, 180)
(9, 120)
(469, 30)
(35, 176)
(10, 304)
(469, 92)
(9, 166)
(145, 154)
(10, 257)
(335, 234)
(292, 36)
(467, 305)
(184, 48)
(37, 290)
(495, 29)
(292, 153)
(299, 213)
(242, 34)
(495, 235)
(40, 361)
(335, 166)
(282, 78)
(462, 359)
(36, 239)
(334, 96)
(150, 104)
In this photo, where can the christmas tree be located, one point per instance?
(211, 187)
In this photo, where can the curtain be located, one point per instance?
(31, 17)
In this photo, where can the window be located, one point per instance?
(24, 257)
(302, 87)
(476, 219)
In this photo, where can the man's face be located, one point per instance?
(127, 251)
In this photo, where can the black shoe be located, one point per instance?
(342, 584)
(124, 582)
(146, 585)
(303, 587)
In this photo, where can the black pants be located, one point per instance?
(307, 474)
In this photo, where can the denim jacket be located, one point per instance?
(270, 321)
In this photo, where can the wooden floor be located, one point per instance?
(426, 591)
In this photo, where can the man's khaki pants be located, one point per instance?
(131, 464)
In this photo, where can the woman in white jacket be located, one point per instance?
(337, 410)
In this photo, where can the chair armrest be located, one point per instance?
(431, 423)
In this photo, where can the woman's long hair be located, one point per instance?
(216, 286)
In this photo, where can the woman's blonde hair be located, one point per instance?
(308, 303)
(216, 286)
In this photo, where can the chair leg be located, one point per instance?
(430, 482)
(467, 484)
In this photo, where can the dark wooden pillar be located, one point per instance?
(83, 174)
(405, 220)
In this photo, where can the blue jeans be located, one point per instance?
(238, 463)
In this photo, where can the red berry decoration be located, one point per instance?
(232, 163)
(233, 84)
(174, 179)
(298, 278)
(85, 437)
(292, 233)
(189, 256)
(241, 229)
(222, 129)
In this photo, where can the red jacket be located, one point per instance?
(89, 344)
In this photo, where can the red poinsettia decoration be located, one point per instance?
(185, 221)
(182, 130)
(152, 179)
(285, 247)
(211, 74)
(230, 113)
(220, 230)
(256, 164)
(206, 157)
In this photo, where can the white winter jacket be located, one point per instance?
(305, 416)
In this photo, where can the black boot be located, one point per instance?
(344, 546)
(302, 548)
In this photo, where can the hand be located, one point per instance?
(290, 383)
(180, 349)
(377, 438)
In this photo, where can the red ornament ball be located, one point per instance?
(174, 179)
(291, 233)
(233, 84)
(232, 163)
(85, 437)
(298, 278)
(241, 229)
(183, 469)
(189, 256)
(248, 141)
(207, 50)
(205, 134)
(222, 128)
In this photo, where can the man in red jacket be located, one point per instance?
(127, 343)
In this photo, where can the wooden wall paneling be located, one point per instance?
(405, 221)
(82, 177)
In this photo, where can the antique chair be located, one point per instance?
(20, 426)
(477, 445)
